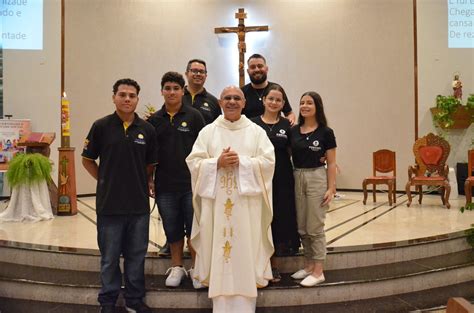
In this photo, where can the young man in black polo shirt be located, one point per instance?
(196, 95)
(257, 69)
(177, 127)
(126, 147)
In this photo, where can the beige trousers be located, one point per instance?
(310, 187)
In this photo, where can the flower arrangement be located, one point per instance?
(149, 110)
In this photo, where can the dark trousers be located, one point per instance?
(125, 235)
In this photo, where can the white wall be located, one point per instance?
(32, 80)
(357, 54)
(437, 65)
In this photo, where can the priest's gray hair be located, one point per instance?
(233, 87)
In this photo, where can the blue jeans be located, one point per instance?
(176, 210)
(125, 235)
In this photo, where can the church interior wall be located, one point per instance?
(357, 54)
(32, 80)
(437, 65)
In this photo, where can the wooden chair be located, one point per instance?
(383, 161)
(459, 305)
(431, 153)
(470, 178)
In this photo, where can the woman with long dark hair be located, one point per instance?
(315, 185)
(284, 230)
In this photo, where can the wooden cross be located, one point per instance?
(240, 30)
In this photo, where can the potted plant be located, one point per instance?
(469, 232)
(449, 112)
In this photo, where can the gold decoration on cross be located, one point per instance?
(240, 30)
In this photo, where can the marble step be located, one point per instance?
(343, 285)
(427, 301)
(338, 258)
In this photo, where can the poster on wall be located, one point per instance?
(10, 133)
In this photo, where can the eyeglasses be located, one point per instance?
(196, 71)
(235, 98)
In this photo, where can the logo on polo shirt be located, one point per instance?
(183, 127)
(140, 139)
(315, 146)
(86, 143)
(281, 133)
(205, 106)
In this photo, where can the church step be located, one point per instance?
(428, 301)
(338, 257)
(342, 285)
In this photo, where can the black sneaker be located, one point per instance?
(139, 307)
(107, 309)
(165, 250)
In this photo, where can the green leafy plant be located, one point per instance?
(446, 106)
(470, 101)
(470, 231)
(28, 169)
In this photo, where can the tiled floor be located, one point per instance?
(348, 223)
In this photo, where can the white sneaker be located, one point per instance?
(301, 274)
(175, 276)
(196, 283)
(312, 281)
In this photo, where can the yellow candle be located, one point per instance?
(65, 126)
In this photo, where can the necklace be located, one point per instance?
(310, 134)
(270, 128)
(259, 95)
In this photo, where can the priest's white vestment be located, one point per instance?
(232, 208)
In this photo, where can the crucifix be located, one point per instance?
(240, 30)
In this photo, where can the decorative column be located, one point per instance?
(67, 197)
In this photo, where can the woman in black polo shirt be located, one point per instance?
(315, 185)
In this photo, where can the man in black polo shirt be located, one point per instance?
(177, 127)
(126, 148)
(196, 95)
(254, 91)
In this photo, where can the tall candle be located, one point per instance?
(65, 125)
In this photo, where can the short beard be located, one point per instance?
(258, 81)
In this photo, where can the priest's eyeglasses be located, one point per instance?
(196, 71)
(230, 97)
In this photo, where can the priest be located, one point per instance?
(231, 165)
